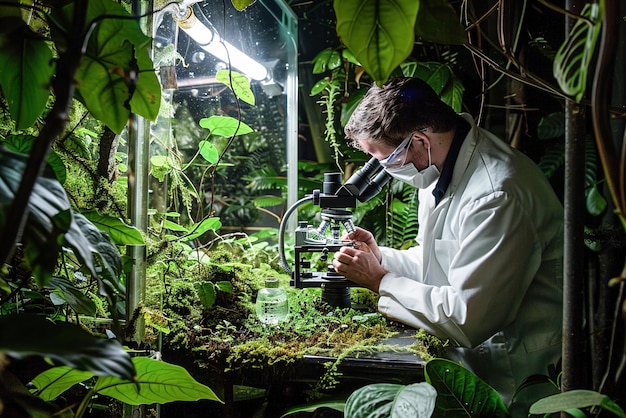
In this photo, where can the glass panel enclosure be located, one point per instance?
(193, 40)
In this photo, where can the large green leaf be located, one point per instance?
(461, 393)
(436, 74)
(104, 79)
(225, 126)
(26, 67)
(65, 343)
(56, 380)
(160, 166)
(576, 399)
(374, 400)
(41, 246)
(224, 286)
(268, 201)
(594, 201)
(242, 4)
(414, 401)
(552, 159)
(208, 151)
(403, 224)
(452, 94)
(29, 405)
(120, 232)
(571, 62)
(10, 8)
(378, 32)
(551, 126)
(146, 99)
(173, 226)
(156, 382)
(326, 59)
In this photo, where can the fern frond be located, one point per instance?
(266, 178)
(403, 224)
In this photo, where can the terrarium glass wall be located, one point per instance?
(193, 41)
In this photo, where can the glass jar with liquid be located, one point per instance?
(272, 306)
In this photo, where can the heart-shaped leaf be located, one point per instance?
(156, 382)
(378, 32)
(206, 292)
(208, 151)
(225, 126)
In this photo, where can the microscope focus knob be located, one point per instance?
(316, 197)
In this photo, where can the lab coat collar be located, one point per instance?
(468, 147)
(445, 178)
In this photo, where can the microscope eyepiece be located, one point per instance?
(332, 183)
(366, 182)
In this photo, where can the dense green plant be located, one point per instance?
(59, 263)
(198, 175)
(106, 35)
(449, 389)
(202, 301)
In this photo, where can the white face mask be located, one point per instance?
(409, 174)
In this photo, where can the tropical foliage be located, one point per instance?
(59, 263)
(73, 74)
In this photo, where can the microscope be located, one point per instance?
(314, 245)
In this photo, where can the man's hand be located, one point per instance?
(366, 237)
(360, 264)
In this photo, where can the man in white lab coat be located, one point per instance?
(486, 272)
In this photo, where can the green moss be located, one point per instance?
(88, 191)
(228, 336)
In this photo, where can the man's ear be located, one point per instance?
(423, 139)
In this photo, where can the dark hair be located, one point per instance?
(403, 105)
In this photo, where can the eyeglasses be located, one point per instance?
(398, 157)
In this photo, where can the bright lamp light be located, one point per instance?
(212, 42)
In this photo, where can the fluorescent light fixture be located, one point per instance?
(211, 42)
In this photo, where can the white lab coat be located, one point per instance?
(486, 272)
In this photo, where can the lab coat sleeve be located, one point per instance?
(489, 266)
(407, 263)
